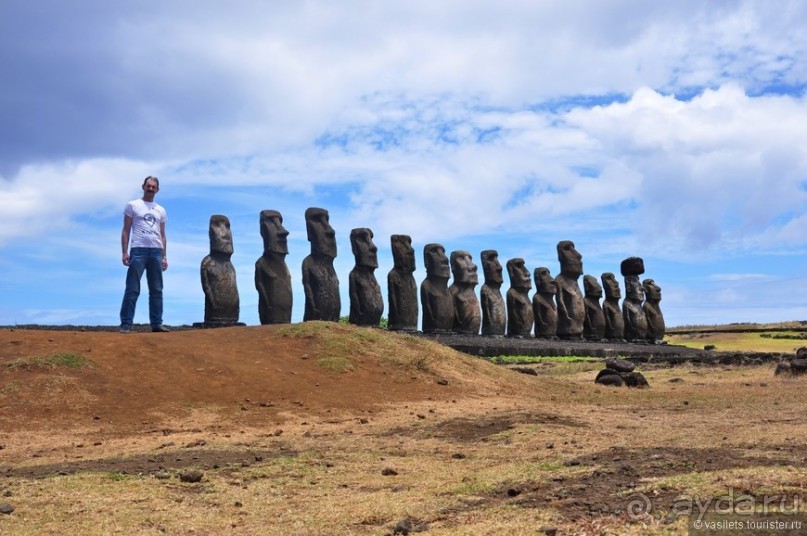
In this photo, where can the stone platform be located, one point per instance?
(488, 347)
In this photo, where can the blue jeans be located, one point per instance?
(149, 260)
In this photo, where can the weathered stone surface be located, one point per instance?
(801, 353)
(544, 309)
(782, 368)
(652, 311)
(320, 282)
(402, 289)
(619, 365)
(435, 298)
(798, 367)
(571, 310)
(634, 379)
(594, 322)
(494, 310)
(272, 276)
(222, 305)
(519, 307)
(632, 311)
(612, 311)
(467, 314)
(366, 303)
(632, 266)
(610, 378)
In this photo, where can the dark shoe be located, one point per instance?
(160, 329)
(125, 329)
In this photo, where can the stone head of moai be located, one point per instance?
(633, 289)
(544, 282)
(492, 268)
(611, 286)
(519, 274)
(436, 262)
(652, 291)
(275, 236)
(320, 233)
(403, 254)
(591, 287)
(221, 237)
(463, 269)
(571, 261)
(364, 250)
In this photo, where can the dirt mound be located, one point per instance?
(244, 374)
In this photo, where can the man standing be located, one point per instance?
(144, 222)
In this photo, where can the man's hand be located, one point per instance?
(125, 259)
(165, 264)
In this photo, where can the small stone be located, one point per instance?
(389, 471)
(550, 444)
(442, 382)
(191, 476)
(549, 531)
(6, 509)
(162, 475)
(513, 492)
(458, 456)
(404, 526)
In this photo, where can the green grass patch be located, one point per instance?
(72, 360)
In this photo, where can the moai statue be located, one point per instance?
(218, 276)
(543, 304)
(366, 303)
(320, 283)
(494, 311)
(571, 310)
(519, 306)
(652, 311)
(272, 277)
(467, 315)
(594, 323)
(401, 286)
(435, 298)
(632, 312)
(614, 321)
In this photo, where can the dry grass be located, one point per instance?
(559, 451)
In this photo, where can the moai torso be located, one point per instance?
(594, 323)
(467, 314)
(222, 306)
(272, 276)
(543, 304)
(435, 298)
(571, 310)
(402, 289)
(519, 307)
(366, 304)
(494, 310)
(320, 282)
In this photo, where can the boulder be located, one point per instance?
(619, 365)
(635, 379)
(610, 378)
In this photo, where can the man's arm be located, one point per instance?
(124, 239)
(165, 245)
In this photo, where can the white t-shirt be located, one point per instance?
(147, 218)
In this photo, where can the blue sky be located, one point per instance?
(672, 131)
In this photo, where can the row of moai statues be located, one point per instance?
(558, 308)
